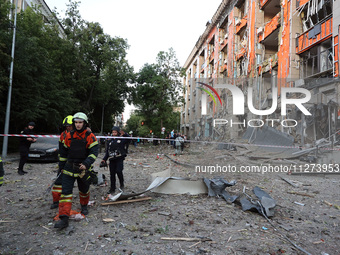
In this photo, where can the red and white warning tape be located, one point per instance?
(188, 141)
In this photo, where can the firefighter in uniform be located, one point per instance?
(79, 152)
(56, 189)
(2, 172)
(115, 152)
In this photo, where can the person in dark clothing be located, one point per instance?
(25, 144)
(115, 152)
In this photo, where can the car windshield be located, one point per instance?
(46, 140)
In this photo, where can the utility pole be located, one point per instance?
(8, 108)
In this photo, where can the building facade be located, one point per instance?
(258, 46)
(44, 9)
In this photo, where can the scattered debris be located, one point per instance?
(300, 194)
(289, 182)
(127, 201)
(7, 221)
(330, 204)
(216, 187)
(179, 163)
(267, 202)
(188, 239)
(106, 220)
(165, 213)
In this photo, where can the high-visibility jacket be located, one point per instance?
(79, 147)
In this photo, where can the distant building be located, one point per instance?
(45, 10)
(260, 44)
(119, 120)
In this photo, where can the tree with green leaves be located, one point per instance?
(157, 91)
(5, 53)
(57, 74)
(101, 72)
(37, 88)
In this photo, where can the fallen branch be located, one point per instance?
(300, 194)
(195, 244)
(7, 221)
(327, 203)
(289, 182)
(127, 201)
(86, 246)
(188, 239)
(179, 163)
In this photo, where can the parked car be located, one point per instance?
(44, 149)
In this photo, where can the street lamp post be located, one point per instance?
(8, 108)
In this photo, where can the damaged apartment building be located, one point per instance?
(261, 45)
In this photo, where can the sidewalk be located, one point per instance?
(11, 157)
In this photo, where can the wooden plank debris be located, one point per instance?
(289, 182)
(188, 239)
(300, 194)
(127, 201)
(7, 221)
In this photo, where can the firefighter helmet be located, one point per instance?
(68, 120)
(80, 116)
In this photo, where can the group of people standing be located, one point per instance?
(177, 140)
(78, 150)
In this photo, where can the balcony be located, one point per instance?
(202, 67)
(240, 53)
(268, 64)
(270, 27)
(320, 32)
(223, 68)
(316, 65)
(211, 57)
(241, 24)
(263, 3)
(300, 3)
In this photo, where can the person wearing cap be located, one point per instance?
(24, 146)
(77, 156)
(115, 152)
(57, 186)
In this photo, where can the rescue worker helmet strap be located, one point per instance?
(68, 120)
(80, 116)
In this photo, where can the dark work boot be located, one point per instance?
(84, 210)
(54, 205)
(62, 223)
(122, 187)
(111, 191)
(20, 172)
